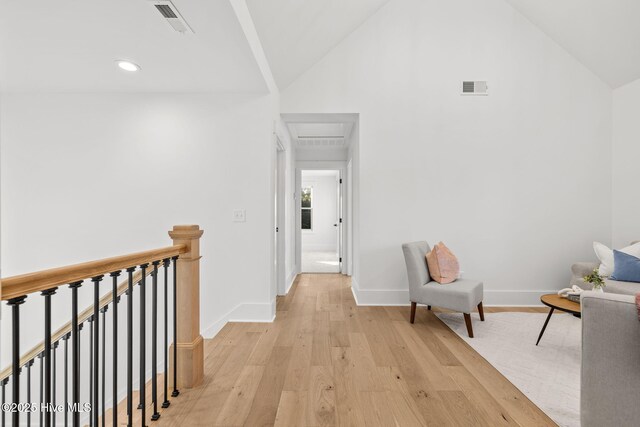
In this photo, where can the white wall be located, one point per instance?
(324, 235)
(508, 180)
(91, 176)
(626, 173)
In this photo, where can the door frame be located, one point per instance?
(280, 232)
(346, 196)
(348, 214)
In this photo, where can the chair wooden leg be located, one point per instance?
(481, 311)
(413, 312)
(467, 320)
(428, 307)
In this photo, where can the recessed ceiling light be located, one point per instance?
(127, 65)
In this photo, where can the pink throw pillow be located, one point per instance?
(443, 264)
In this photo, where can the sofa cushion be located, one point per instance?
(605, 255)
(626, 267)
(625, 288)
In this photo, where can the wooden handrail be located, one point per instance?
(25, 284)
(187, 359)
(82, 317)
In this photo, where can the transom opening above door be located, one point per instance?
(320, 134)
(310, 131)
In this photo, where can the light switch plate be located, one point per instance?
(239, 215)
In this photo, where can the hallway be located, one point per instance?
(320, 262)
(326, 361)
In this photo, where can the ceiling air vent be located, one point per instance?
(171, 14)
(475, 88)
(166, 11)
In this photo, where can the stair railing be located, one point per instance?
(183, 359)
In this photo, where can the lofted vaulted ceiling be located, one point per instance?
(71, 46)
(602, 34)
(296, 34)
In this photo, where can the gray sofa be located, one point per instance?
(610, 379)
(581, 269)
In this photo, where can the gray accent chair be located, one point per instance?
(610, 376)
(463, 295)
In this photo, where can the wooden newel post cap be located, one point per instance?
(188, 235)
(186, 232)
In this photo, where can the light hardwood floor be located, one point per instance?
(326, 361)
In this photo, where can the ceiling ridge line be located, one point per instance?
(241, 10)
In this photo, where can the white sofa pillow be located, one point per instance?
(605, 255)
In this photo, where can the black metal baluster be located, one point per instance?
(65, 338)
(15, 335)
(75, 356)
(53, 383)
(47, 353)
(41, 357)
(116, 300)
(80, 327)
(4, 383)
(154, 341)
(175, 391)
(130, 346)
(143, 319)
(165, 264)
(29, 365)
(91, 359)
(103, 311)
(96, 349)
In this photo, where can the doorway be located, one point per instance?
(325, 144)
(321, 221)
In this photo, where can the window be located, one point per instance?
(306, 206)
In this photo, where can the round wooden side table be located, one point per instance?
(555, 301)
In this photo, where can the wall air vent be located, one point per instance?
(172, 16)
(475, 88)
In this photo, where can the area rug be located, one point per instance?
(549, 374)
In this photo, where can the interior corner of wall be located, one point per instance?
(290, 279)
(354, 291)
(354, 283)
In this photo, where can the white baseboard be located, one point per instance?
(250, 312)
(290, 280)
(515, 297)
(379, 297)
(400, 297)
